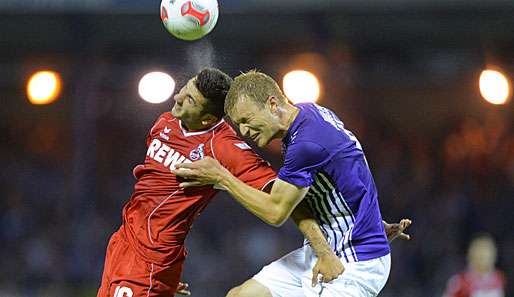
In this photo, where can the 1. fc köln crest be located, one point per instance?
(197, 154)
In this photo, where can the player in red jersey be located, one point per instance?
(145, 256)
(481, 279)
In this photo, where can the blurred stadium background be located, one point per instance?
(403, 75)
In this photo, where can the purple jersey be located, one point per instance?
(321, 154)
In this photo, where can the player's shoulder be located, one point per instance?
(224, 132)
(319, 115)
(164, 121)
(165, 117)
(308, 122)
(225, 137)
(309, 152)
(500, 276)
(302, 135)
(455, 284)
(309, 109)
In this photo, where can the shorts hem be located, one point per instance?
(261, 281)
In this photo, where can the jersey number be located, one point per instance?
(123, 292)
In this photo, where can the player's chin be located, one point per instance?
(177, 112)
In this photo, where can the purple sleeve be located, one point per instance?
(301, 161)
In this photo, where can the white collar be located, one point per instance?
(186, 133)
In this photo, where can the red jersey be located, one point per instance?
(469, 284)
(159, 214)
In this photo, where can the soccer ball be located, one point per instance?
(189, 19)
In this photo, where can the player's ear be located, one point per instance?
(272, 103)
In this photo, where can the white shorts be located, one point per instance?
(291, 276)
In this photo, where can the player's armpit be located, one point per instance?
(285, 198)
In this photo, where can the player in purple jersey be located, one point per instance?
(324, 168)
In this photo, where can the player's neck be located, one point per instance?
(481, 271)
(196, 127)
(288, 115)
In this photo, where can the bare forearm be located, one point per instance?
(257, 202)
(272, 208)
(328, 265)
(309, 227)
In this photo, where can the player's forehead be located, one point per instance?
(192, 90)
(482, 243)
(242, 110)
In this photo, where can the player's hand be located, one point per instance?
(183, 289)
(207, 171)
(395, 230)
(327, 268)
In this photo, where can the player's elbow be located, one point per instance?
(278, 217)
(276, 222)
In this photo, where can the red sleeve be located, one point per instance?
(162, 117)
(138, 168)
(502, 279)
(235, 155)
(456, 287)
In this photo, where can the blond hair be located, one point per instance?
(255, 86)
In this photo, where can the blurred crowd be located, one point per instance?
(453, 181)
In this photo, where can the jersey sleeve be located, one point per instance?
(301, 161)
(239, 158)
(455, 287)
(162, 117)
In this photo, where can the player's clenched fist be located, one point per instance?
(327, 268)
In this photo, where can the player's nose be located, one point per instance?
(178, 98)
(244, 130)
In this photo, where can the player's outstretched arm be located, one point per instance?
(328, 267)
(273, 208)
(395, 230)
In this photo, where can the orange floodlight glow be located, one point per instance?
(43, 87)
(301, 86)
(494, 87)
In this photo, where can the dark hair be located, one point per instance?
(214, 85)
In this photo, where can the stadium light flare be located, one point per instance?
(494, 86)
(43, 87)
(156, 87)
(301, 86)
